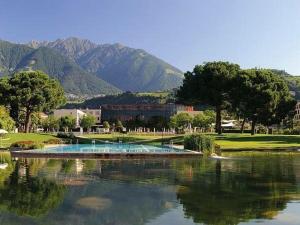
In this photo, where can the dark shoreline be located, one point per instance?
(27, 154)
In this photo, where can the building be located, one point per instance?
(94, 112)
(141, 111)
(76, 113)
(297, 112)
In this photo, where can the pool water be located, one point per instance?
(109, 148)
(241, 189)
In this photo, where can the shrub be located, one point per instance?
(65, 135)
(53, 141)
(200, 142)
(295, 131)
(261, 129)
(26, 145)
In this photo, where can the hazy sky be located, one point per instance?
(252, 33)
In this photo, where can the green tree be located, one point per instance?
(106, 125)
(262, 97)
(181, 121)
(87, 122)
(51, 123)
(67, 122)
(119, 126)
(209, 84)
(36, 121)
(6, 122)
(33, 91)
(157, 122)
(204, 120)
(4, 91)
(136, 122)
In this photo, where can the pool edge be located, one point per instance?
(24, 154)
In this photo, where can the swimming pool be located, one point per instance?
(108, 150)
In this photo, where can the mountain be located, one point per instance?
(126, 68)
(11, 54)
(70, 47)
(124, 98)
(88, 69)
(15, 57)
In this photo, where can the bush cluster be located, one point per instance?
(66, 135)
(26, 145)
(200, 142)
(295, 131)
(53, 141)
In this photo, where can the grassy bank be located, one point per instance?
(226, 141)
(135, 138)
(233, 142)
(12, 138)
(257, 142)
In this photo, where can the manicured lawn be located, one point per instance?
(139, 138)
(246, 141)
(134, 137)
(8, 139)
(226, 141)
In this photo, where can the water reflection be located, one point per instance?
(200, 191)
(28, 195)
(228, 193)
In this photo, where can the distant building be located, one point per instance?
(141, 111)
(94, 112)
(76, 113)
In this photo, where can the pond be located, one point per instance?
(244, 188)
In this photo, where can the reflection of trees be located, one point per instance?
(242, 191)
(30, 196)
(135, 192)
(4, 173)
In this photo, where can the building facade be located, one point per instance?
(141, 111)
(95, 113)
(78, 114)
(75, 113)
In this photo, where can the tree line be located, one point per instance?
(257, 95)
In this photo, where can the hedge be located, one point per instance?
(200, 142)
(26, 145)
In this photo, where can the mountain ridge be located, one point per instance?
(16, 57)
(128, 69)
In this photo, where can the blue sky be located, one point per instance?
(253, 33)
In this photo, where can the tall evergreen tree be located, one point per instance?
(31, 91)
(262, 97)
(209, 84)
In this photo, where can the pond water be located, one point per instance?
(242, 189)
